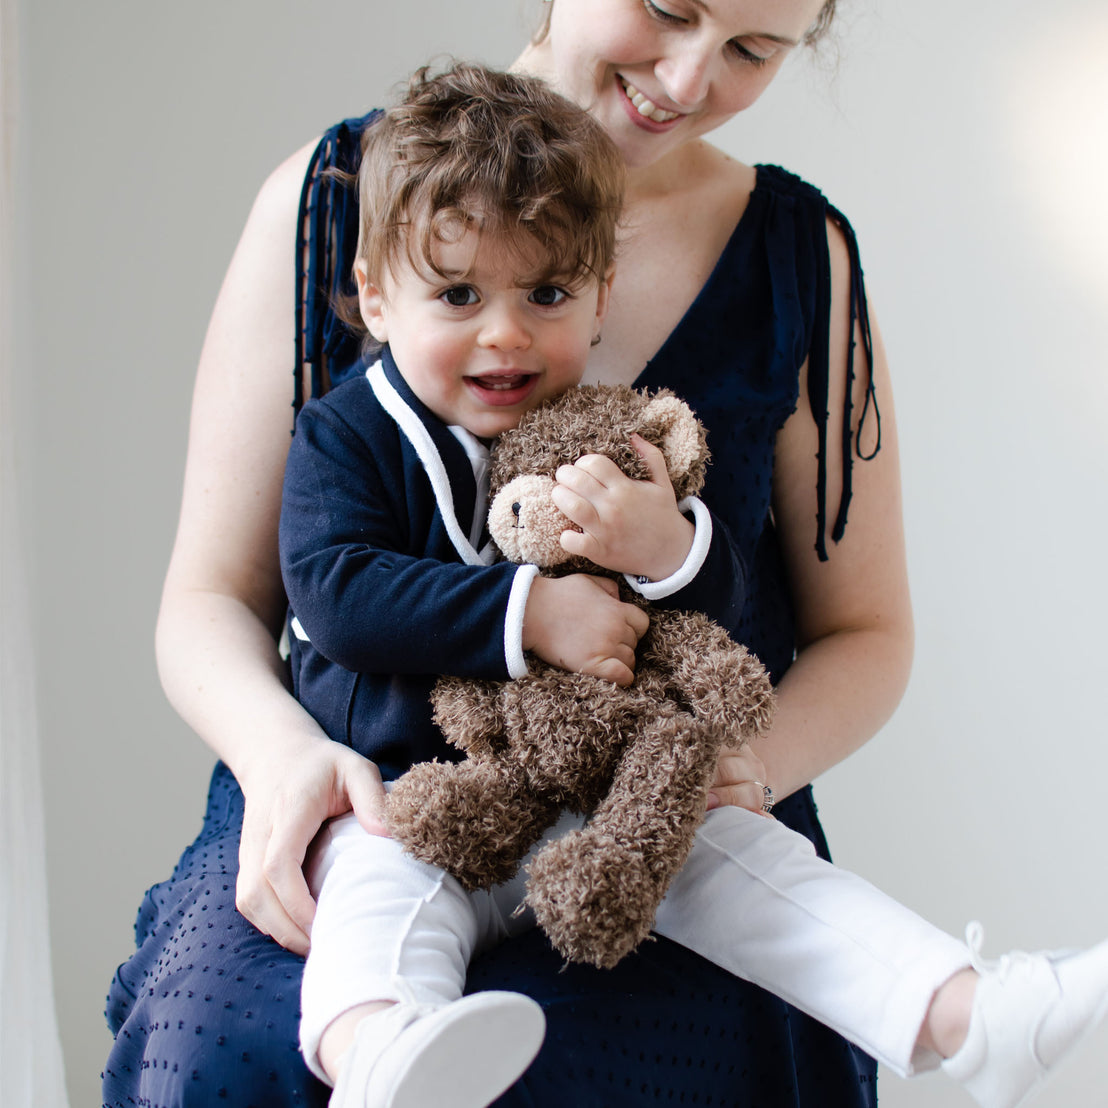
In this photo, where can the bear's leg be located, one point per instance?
(595, 891)
(473, 820)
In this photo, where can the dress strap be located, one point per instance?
(326, 241)
(818, 382)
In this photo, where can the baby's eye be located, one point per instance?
(547, 296)
(459, 296)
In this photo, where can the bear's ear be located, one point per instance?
(669, 423)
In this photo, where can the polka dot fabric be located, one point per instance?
(205, 1011)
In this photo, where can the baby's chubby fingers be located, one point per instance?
(655, 460)
(582, 490)
(604, 506)
(578, 623)
(636, 621)
(578, 509)
(590, 471)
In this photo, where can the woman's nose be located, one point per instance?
(686, 75)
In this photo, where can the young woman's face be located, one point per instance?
(657, 73)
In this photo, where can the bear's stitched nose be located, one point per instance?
(516, 507)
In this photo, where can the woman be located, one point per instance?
(209, 1002)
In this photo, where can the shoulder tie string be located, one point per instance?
(851, 439)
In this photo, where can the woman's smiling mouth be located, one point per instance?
(644, 106)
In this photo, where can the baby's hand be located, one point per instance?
(627, 526)
(578, 623)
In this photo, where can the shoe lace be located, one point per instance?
(1000, 967)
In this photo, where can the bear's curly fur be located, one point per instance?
(636, 761)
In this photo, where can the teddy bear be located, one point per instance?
(635, 761)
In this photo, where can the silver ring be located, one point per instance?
(768, 799)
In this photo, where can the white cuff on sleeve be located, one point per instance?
(513, 620)
(702, 540)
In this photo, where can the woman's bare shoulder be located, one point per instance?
(278, 198)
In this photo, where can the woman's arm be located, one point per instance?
(853, 614)
(223, 601)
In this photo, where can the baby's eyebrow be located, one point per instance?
(566, 278)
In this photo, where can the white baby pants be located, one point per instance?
(754, 897)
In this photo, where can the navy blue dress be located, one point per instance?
(205, 1011)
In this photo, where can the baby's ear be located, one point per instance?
(669, 422)
(371, 303)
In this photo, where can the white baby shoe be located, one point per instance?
(1029, 1013)
(458, 1055)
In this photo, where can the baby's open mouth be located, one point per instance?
(502, 382)
(502, 389)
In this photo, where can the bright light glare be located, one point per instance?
(1055, 90)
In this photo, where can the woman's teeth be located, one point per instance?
(647, 107)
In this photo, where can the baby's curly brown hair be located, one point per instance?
(501, 153)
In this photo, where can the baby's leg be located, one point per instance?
(391, 941)
(388, 928)
(756, 899)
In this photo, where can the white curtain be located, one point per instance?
(31, 1073)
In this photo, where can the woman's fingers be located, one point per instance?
(740, 780)
(257, 899)
(283, 814)
(283, 868)
(367, 796)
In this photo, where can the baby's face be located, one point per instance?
(484, 346)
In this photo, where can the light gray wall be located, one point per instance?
(965, 142)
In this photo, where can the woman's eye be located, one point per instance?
(460, 296)
(661, 14)
(745, 54)
(547, 296)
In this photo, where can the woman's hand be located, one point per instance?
(288, 798)
(739, 781)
